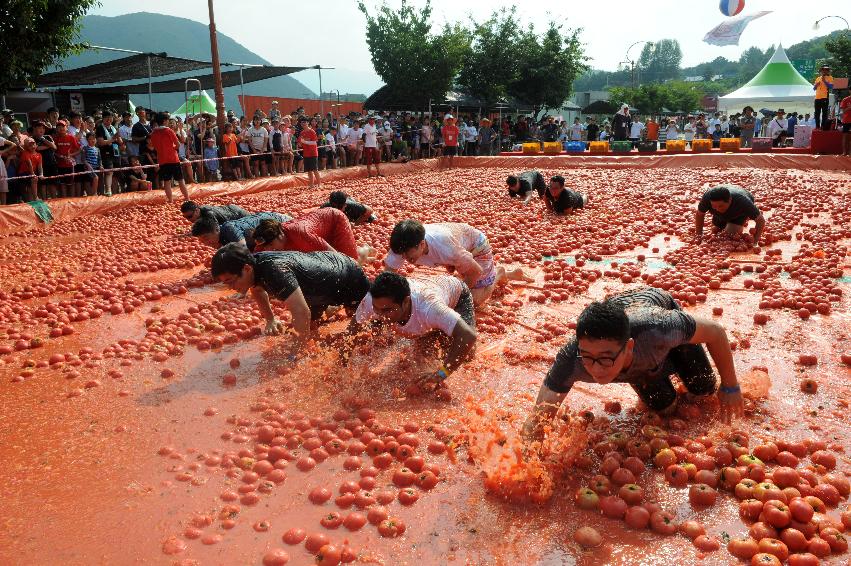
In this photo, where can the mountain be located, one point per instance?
(178, 37)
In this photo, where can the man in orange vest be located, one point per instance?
(822, 86)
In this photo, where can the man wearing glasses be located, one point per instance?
(641, 337)
(191, 211)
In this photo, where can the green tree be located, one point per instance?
(551, 63)
(415, 63)
(839, 48)
(751, 62)
(492, 64)
(661, 60)
(35, 34)
(654, 97)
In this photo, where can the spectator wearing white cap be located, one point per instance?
(274, 113)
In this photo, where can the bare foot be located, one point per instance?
(519, 275)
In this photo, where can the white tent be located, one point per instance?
(777, 85)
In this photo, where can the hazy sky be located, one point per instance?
(330, 32)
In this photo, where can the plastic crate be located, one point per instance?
(598, 147)
(621, 146)
(646, 146)
(730, 144)
(701, 146)
(574, 147)
(552, 148)
(531, 148)
(761, 145)
(675, 145)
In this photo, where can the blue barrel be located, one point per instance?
(574, 146)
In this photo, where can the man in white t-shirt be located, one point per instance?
(371, 153)
(635, 130)
(576, 130)
(460, 248)
(419, 308)
(258, 144)
(777, 129)
(354, 136)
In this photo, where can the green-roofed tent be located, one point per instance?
(777, 85)
(197, 104)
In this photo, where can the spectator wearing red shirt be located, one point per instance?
(450, 138)
(307, 139)
(67, 149)
(29, 163)
(845, 107)
(164, 141)
(323, 230)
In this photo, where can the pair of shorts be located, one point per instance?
(65, 171)
(466, 307)
(348, 295)
(311, 164)
(371, 156)
(846, 128)
(450, 150)
(720, 223)
(485, 260)
(691, 364)
(171, 171)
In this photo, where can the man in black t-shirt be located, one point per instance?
(356, 212)
(560, 200)
(592, 130)
(731, 208)
(641, 337)
(240, 231)
(140, 133)
(46, 147)
(523, 184)
(225, 213)
(308, 283)
(549, 131)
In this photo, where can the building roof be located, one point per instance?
(778, 80)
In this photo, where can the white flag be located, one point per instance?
(730, 30)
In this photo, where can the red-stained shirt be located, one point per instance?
(308, 150)
(164, 141)
(450, 135)
(65, 146)
(845, 106)
(302, 235)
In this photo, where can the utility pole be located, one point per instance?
(217, 71)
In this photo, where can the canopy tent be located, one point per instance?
(134, 67)
(197, 104)
(777, 85)
(384, 99)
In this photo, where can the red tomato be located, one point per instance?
(637, 517)
(404, 477)
(345, 501)
(691, 529)
(354, 521)
(819, 547)
(631, 493)
(332, 520)
(385, 496)
(702, 494)
(427, 480)
(762, 530)
(408, 496)
(824, 458)
(707, 477)
(364, 499)
(774, 547)
(765, 559)
(329, 555)
(319, 495)
(601, 485)
(803, 559)
(315, 541)
(707, 544)
(743, 548)
(837, 541)
(794, 539)
(663, 523)
(676, 475)
(613, 507)
(623, 476)
(376, 515)
(776, 513)
(277, 557)
(588, 537)
(391, 528)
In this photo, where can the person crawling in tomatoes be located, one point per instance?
(641, 337)
(526, 184)
(241, 231)
(308, 283)
(460, 248)
(422, 308)
(731, 207)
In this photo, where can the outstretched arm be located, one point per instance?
(715, 337)
(760, 226)
(546, 406)
(699, 217)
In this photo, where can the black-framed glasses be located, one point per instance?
(605, 361)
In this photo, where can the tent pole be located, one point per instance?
(217, 72)
(242, 89)
(321, 104)
(150, 87)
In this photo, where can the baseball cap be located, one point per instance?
(449, 117)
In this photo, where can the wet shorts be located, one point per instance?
(169, 171)
(311, 164)
(450, 150)
(720, 223)
(466, 307)
(484, 257)
(691, 365)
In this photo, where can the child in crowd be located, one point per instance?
(211, 161)
(93, 163)
(67, 149)
(716, 136)
(29, 163)
(137, 179)
(672, 132)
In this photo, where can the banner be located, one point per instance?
(729, 31)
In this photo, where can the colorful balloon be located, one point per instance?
(732, 7)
